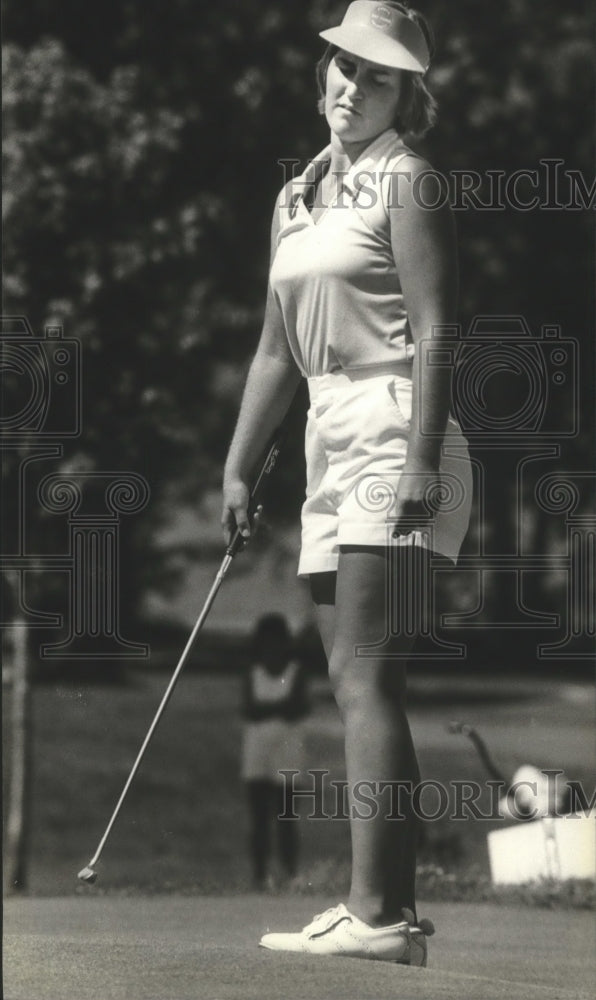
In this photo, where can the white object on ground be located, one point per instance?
(560, 848)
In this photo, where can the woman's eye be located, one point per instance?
(349, 69)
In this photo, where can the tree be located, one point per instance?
(141, 167)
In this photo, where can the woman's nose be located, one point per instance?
(354, 88)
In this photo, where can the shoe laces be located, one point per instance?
(322, 922)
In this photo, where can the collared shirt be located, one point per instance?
(335, 279)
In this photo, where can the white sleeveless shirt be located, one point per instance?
(335, 279)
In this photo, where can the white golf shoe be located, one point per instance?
(339, 932)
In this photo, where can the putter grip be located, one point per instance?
(238, 542)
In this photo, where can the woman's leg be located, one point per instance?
(370, 693)
(258, 793)
(287, 832)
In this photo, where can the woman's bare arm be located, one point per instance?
(270, 387)
(425, 253)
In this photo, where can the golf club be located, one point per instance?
(480, 747)
(88, 873)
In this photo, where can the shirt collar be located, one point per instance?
(369, 158)
(367, 161)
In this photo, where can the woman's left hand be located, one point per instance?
(413, 511)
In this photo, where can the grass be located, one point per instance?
(183, 826)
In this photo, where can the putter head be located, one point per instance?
(87, 875)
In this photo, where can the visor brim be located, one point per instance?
(370, 44)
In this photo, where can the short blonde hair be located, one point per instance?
(417, 111)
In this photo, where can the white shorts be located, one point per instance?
(356, 441)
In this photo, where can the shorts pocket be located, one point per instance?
(400, 393)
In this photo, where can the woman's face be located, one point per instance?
(361, 98)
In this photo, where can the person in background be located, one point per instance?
(531, 793)
(274, 704)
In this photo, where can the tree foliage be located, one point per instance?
(142, 160)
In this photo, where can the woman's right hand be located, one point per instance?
(236, 495)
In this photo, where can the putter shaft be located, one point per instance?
(236, 545)
(164, 701)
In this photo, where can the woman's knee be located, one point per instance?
(357, 679)
(336, 673)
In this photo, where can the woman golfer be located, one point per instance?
(363, 279)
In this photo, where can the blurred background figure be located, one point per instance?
(275, 702)
(530, 793)
(534, 794)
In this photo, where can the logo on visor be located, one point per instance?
(381, 17)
